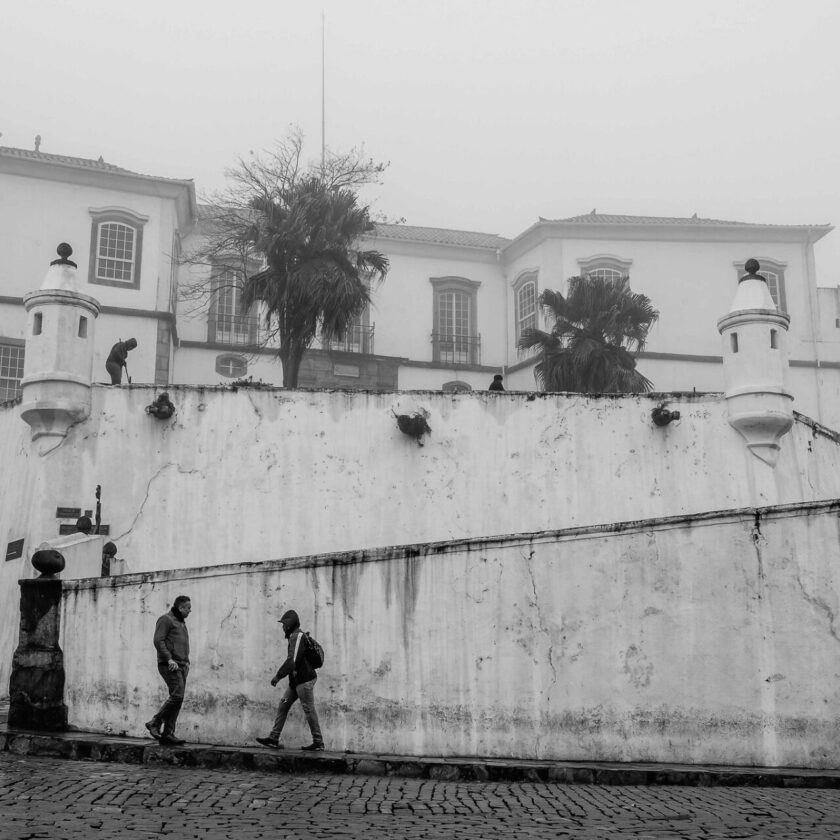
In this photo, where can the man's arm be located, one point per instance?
(289, 665)
(161, 633)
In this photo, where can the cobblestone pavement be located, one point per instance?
(66, 800)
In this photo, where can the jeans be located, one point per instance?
(176, 682)
(305, 692)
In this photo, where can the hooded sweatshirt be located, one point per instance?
(296, 668)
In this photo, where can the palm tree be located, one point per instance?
(597, 328)
(316, 279)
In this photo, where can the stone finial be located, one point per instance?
(48, 561)
(752, 267)
(37, 142)
(64, 251)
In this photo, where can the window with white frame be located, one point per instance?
(526, 297)
(773, 272)
(116, 246)
(11, 368)
(455, 338)
(605, 267)
(229, 322)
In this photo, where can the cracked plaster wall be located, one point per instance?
(251, 475)
(707, 640)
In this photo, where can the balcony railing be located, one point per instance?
(236, 330)
(456, 349)
(357, 338)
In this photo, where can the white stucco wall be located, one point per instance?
(260, 474)
(701, 640)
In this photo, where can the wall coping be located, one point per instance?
(414, 551)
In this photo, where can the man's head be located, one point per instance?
(84, 524)
(290, 622)
(498, 377)
(182, 606)
(130, 345)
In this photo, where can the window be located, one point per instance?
(774, 273)
(116, 245)
(456, 386)
(455, 339)
(11, 368)
(525, 294)
(229, 323)
(231, 366)
(605, 267)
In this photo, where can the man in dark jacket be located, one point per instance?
(301, 687)
(172, 643)
(116, 360)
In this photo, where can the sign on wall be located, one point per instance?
(14, 550)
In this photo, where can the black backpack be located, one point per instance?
(314, 653)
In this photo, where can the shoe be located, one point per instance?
(154, 729)
(171, 740)
(314, 748)
(269, 742)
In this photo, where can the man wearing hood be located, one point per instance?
(172, 643)
(301, 687)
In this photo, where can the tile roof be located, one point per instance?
(596, 218)
(80, 163)
(440, 236)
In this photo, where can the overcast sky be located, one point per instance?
(491, 112)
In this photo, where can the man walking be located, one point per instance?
(301, 687)
(172, 643)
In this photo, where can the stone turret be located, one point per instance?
(755, 365)
(58, 363)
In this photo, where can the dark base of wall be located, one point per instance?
(92, 747)
(44, 717)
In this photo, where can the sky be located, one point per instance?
(492, 113)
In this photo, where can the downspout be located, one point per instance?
(811, 277)
(507, 315)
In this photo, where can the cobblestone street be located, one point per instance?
(65, 800)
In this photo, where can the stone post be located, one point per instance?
(36, 685)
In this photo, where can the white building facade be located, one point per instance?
(448, 315)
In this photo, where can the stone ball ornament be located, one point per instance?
(48, 561)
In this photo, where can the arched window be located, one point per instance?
(525, 296)
(455, 338)
(773, 272)
(231, 366)
(605, 267)
(116, 246)
(456, 386)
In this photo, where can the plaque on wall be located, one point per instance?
(68, 513)
(14, 550)
(64, 530)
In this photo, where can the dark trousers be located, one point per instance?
(176, 682)
(116, 372)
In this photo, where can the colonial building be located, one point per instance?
(447, 317)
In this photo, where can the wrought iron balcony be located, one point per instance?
(357, 338)
(236, 330)
(456, 349)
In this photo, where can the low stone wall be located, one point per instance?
(707, 638)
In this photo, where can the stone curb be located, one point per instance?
(92, 747)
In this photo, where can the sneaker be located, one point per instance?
(154, 729)
(171, 740)
(314, 748)
(269, 742)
